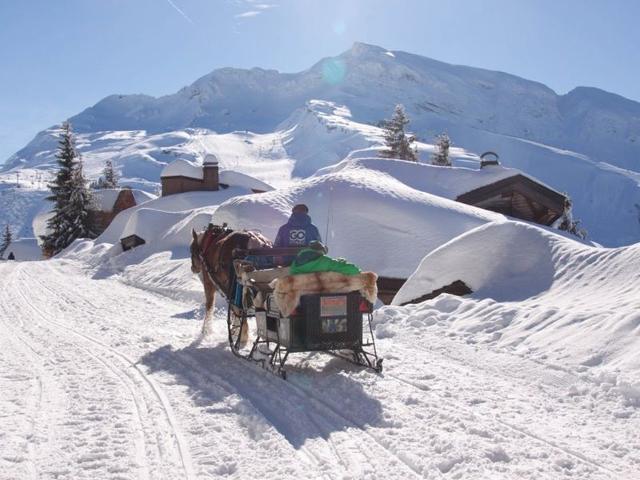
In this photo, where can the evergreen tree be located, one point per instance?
(398, 144)
(60, 189)
(441, 154)
(109, 178)
(78, 210)
(7, 238)
(71, 199)
(568, 224)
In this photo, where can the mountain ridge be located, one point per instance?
(585, 143)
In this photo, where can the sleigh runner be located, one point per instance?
(289, 320)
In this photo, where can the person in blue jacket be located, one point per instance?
(298, 231)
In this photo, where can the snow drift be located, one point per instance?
(534, 291)
(368, 216)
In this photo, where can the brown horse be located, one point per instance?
(212, 258)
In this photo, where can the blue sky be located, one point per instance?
(58, 57)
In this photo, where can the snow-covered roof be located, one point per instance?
(182, 168)
(535, 291)
(210, 159)
(237, 179)
(371, 218)
(24, 249)
(165, 222)
(104, 199)
(141, 196)
(186, 168)
(447, 182)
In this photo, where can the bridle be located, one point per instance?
(210, 235)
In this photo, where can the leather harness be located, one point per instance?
(202, 252)
(210, 235)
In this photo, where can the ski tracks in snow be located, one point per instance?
(106, 422)
(99, 381)
(535, 413)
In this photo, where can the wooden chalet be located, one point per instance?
(520, 197)
(110, 202)
(494, 188)
(181, 176)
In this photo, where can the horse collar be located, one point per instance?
(208, 241)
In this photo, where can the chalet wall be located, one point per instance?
(125, 200)
(102, 219)
(518, 197)
(173, 185)
(180, 184)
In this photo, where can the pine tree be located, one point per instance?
(71, 199)
(78, 210)
(7, 238)
(398, 144)
(109, 178)
(441, 153)
(568, 224)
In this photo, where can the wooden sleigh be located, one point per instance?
(329, 314)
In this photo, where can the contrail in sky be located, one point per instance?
(180, 11)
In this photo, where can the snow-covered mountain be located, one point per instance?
(370, 80)
(274, 126)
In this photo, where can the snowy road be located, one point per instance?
(98, 380)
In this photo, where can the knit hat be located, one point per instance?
(300, 208)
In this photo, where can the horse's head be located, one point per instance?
(196, 264)
(216, 246)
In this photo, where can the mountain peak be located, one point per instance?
(360, 49)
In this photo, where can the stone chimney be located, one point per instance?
(210, 173)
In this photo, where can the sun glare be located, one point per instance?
(333, 71)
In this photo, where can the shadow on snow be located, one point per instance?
(314, 402)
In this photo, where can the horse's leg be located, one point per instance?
(244, 333)
(210, 296)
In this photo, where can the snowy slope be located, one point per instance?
(369, 81)
(584, 143)
(140, 157)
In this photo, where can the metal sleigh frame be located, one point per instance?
(271, 351)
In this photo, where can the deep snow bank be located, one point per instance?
(161, 264)
(504, 261)
(538, 292)
(166, 222)
(368, 216)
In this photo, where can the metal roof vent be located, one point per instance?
(489, 158)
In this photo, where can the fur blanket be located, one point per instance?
(289, 289)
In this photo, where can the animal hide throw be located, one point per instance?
(288, 290)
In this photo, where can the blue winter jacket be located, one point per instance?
(297, 232)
